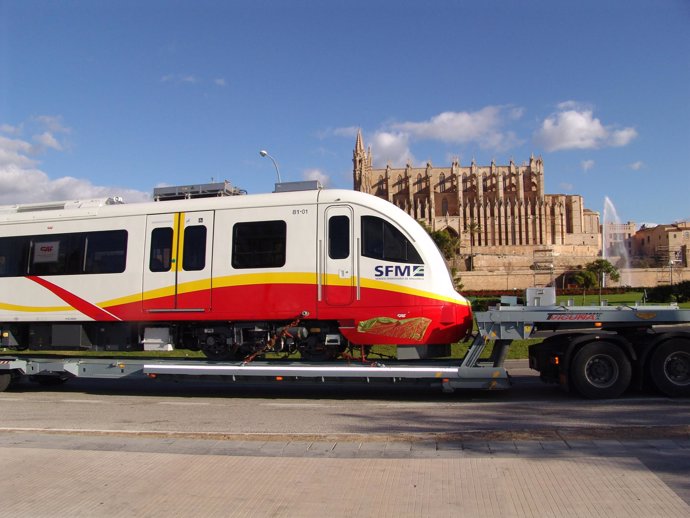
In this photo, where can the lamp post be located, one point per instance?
(265, 154)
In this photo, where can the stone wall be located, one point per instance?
(519, 279)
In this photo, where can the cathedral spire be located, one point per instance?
(359, 143)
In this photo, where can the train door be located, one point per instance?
(178, 260)
(338, 281)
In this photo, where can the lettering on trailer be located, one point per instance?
(399, 272)
(575, 317)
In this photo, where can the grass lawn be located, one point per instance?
(613, 299)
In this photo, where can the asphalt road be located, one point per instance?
(159, 448)
(365, 412)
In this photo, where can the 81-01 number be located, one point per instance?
(300, 212)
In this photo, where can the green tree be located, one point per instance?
(473, 228)
(601, 268)
(446, 241)
(586, 280)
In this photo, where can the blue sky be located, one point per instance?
(114, 98)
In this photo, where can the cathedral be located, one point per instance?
(499, 212)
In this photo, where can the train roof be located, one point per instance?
(112, 207)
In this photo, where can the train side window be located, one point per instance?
(259, 244)
(14, 256)
(194, 254)
(339, 237)
(161, 249)
(381, 240)
(106, 252)
(59, 254)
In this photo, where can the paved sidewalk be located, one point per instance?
(67, 475)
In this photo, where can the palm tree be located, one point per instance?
(586, 280)
(600, 269)
(472, 228)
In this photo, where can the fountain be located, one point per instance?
(611, 247)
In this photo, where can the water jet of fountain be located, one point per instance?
(611, 247)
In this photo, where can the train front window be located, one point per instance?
(381, 240)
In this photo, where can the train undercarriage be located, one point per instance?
(313, 340)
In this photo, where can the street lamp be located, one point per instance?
(671, 262)
(265, 154)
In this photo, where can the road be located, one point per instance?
(291, 410)
(152, 448)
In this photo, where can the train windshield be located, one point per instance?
(381, 240)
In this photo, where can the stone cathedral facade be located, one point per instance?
(499, 212)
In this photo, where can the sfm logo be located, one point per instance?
(390, 271)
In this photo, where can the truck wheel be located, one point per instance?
(601, 370)
(5, 380)
(670, 367)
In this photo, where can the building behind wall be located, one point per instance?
(663, 244)
(499, 212)
(617, 242)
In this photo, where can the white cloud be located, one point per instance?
(575, 127)
(21, 181)
(391, 144)
(567, 187)
(483, 127)
(51, 123)
(587, 165)
(9, 130)
(317, 174)
(620, 138)
(14, 152)
(47, 140)
(391, 148)
(636, 166)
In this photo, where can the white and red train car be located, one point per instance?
(310, 270)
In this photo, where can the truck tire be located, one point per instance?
(5, 380)
(601, 370)
(669, 367)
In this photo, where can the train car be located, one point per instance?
(313, 271)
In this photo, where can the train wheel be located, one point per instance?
(217, 348)
(5, 380)
(601, 370)
(315, 350)
(670, 367)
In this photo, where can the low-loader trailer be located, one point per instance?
(593, 351)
